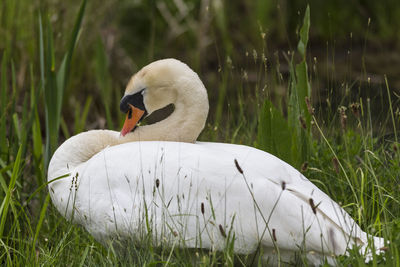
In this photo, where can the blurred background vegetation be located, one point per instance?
(247, 53)
(352, 44)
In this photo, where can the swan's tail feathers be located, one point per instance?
(375, 246)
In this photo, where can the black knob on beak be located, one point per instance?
(135, 100)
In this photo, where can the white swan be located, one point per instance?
(193, 194)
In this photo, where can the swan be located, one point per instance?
(158, 180)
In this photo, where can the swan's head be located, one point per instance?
(163, 82)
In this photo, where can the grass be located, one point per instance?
(352, 154)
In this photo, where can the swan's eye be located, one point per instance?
(130, 114)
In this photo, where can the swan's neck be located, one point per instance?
(185, 123)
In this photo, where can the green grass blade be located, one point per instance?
(36, 133)
(299, 118)
(62, 75)
(4, 186)
(56, 83)
(50, 94)
(303, 85)
(3, 106)
(13, 86)
(302, 45)
(304, 120)
(63, 72)
(25, 124)
(103, 80)
(273, 134)
(40, 222)
(41, 51)
(77, 120)
(303, 91)
(80, 120)
(264, 131)
(84, 256)
(17, 126)
(64, 129)
(294, 115)
(221, 96)
(14, 176)
(391, 110)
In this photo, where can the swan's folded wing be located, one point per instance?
(257, 163)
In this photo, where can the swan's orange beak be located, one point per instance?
(132, 118)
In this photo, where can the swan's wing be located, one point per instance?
(257, 163)
(195, 194)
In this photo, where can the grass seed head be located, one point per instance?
(255, 55)
(238, 167)
(343, 117)
(302, 122)
(335, 163)
(311, 110)
(355, 109)
(221, 229)
(304, 166)
(313, 207)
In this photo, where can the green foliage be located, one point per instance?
(3, 107)
(357, 165)
(53, 82)
(7, 202)
(103, 80)
(290, 139)
(302, 45)
(274, 134)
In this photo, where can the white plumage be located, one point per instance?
(195, 194)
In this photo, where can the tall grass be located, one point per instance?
(54, 82)
(290, 139)
(349, 156)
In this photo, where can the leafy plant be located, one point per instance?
(290, 139)
(54, 82)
